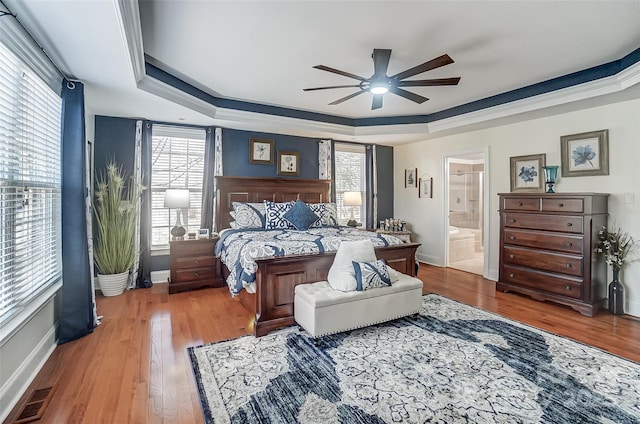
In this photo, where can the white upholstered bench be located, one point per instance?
(321, 310)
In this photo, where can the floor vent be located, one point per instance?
(36, 405)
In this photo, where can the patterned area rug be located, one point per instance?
(453, 363)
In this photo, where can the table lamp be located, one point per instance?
(177, 199)
(353, 199)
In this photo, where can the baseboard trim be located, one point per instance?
(13, 389)
(160, 276)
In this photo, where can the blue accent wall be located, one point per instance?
(235, 156)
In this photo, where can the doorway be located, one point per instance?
(465, 226)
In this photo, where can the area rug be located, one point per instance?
(452, 363)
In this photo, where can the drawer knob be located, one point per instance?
(196, 274)
(567, 287)
(512, 256)
(512, 237)
(569, 224)
(569, 244)
(520, 204)
(512, 275)
(513, 220)
(568, 265)
(561, 205)
(197, 262)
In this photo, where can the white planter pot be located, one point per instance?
(113, 284)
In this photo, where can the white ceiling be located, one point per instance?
(263, 51)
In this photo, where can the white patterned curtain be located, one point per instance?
(324, 159)
(137, 177)
(217, 170)
(374, 185)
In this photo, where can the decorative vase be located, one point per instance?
(616, 294)
(113, 284)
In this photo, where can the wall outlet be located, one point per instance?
(629, 198)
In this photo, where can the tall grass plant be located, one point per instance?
(115, 209)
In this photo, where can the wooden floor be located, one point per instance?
(134, 368)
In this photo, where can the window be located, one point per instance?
(350, 176)
(30, 185)
(177, 161)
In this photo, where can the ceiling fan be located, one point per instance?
(379, 83)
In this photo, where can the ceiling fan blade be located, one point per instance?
(339, 72)
(350, 96)
(408, 95)
(427, 66)
(330, 87)
(429, 82)
(377, 101)
(380, 62)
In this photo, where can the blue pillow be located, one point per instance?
(301, 216)
(370, 275)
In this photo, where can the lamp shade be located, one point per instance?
(352, 198)
(176, 198)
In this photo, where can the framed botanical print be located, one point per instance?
(526, 172)
(585, 154)
(410, 176)
(288, 163)
(261, 151)
(425, 187)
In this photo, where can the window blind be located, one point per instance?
(30, 185)
(177, 161)
(350, 176)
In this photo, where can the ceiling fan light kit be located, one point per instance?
(379, 83)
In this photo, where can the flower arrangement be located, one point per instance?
(115, 211)
(617, 247)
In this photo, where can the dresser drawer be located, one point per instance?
(195, 261)
(554, 262)
(565, 224)
(183, 275)
(549, 241)
(522, 203)
(562, 205)
(570, 287)
(196, 247)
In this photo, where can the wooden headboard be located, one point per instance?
(249, 189)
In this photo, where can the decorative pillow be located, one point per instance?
(342, 275)
(248, 215)
(370, 275)
(274, 215)
(301, 216)
(328, 213)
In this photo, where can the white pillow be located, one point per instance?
(342, 276)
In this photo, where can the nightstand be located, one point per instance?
(405, 236)
(194, 265)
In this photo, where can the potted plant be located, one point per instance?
(618, 248)
(116, 211)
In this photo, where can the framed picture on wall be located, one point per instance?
(288, 163)
(261, 151)
(526, 173)
(410, 176)
(585, 154)
(425, 187)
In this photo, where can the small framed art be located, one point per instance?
(425, 187)
(585, 154)
(526, 172)
(410, 176)
(288, 163)
(261, 151)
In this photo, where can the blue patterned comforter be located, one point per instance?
(239, 249)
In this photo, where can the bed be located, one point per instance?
(277, 276)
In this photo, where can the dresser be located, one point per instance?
(194, 265)
(547, 247)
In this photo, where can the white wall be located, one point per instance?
(541, 135)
